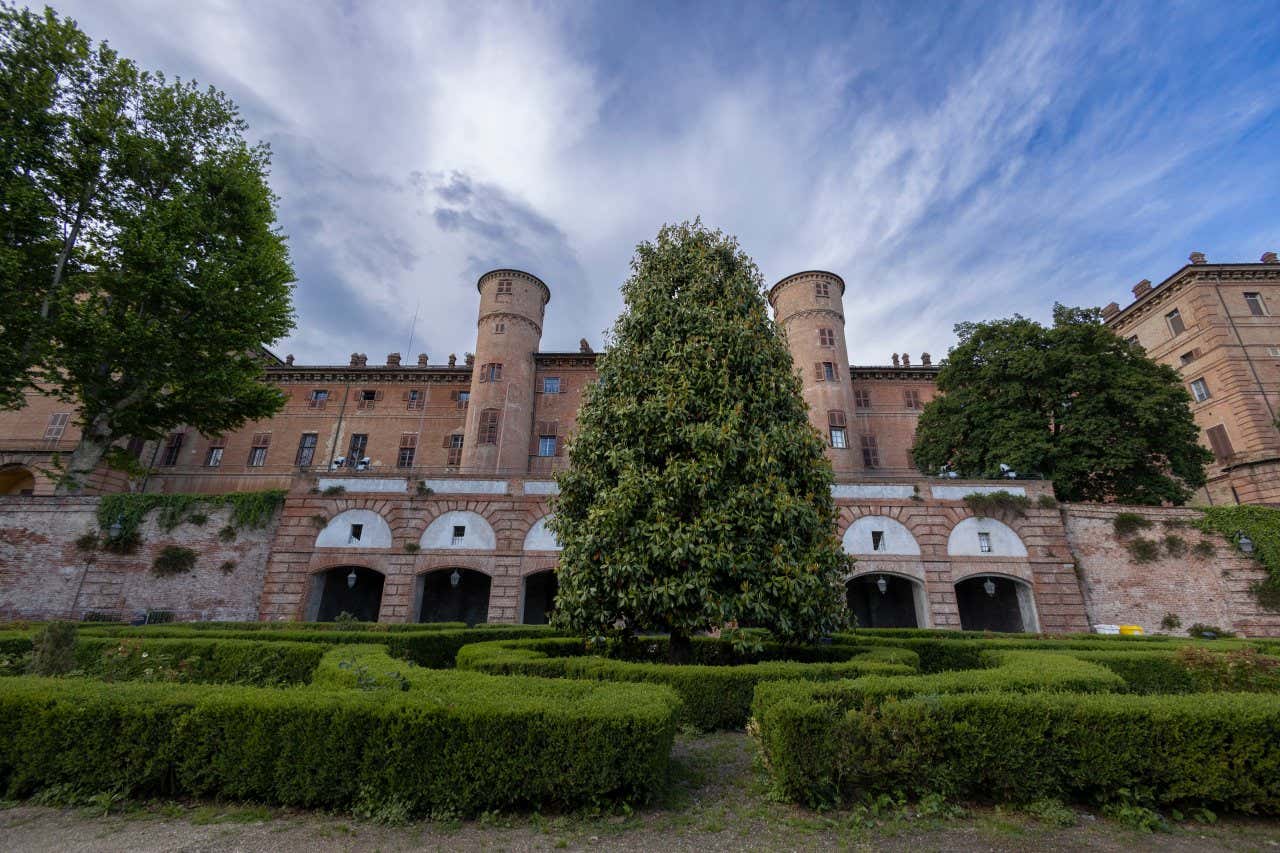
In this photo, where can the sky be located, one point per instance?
(952, 162)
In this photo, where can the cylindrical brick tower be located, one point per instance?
(500, 411)
(809, 308)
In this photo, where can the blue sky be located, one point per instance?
(951, 161)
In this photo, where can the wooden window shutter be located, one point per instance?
(534, 438)
(453, 395)
(448, 440)
(1220, 443)
(484, 373)
(836, 418)
(404, 396)
(408, 439)
(377, 395)
(262, 439)
(817, 370)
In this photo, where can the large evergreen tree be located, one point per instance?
(1074, 403)
(697, 493)
(141, 270)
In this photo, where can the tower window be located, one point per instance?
(825, 371)
(1220, 443)
(821, 289)
(499, 328)
(488, 427)
(504, 287)
(826, 338)
(1200, 390)
(1256, 306)
(491, 372)
(1174, 319)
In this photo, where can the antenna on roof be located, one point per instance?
(413, 326)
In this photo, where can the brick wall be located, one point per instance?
(1118, 591)
(44, 575)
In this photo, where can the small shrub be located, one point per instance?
(1143, 550)
(125, 542)
(412, 547)
(159, 617)
(1001, 502)
(1175, 523)
(1171, 622)
(1052, 811)
(1047, 502)
(424, 491)
(1204, 549)
(1239, 670)
(87, 542)
(173, 560)
(1175, 545)
(1135, 816)
(227, 533)
(330, 491)
(53, 649)
(1202, 631)
(345, 618)
(1128, 523)
(199, 519)
(227, 567)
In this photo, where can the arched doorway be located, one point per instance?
(995, 603)
(347, 589)
(17, 480)
(883, 601)
(454, 595)
(539, 597)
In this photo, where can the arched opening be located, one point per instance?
(884, 601)
(17, 480)
(540, 590)
(346, 589)
(454, 595)
(995, 603)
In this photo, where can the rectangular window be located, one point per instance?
(1256, 306)
(1133, 339)
(454, 443)
(984, 543)
(488, 427)
(1187, 357)
(463, 398)
(877, 540)
(414, 399)
(499, 328)
(838, 439)
(912, 399)
(551, 385)
(1200, 390)
(825, 371)
(491, 372)
(214, 457)
(870, 453)
(318, 399)
(57, 425)
(826, 338)
(306, 450)
(459, 534)
(357, 531)
(1174, 318)
(367, 398)
(258, 453)
(862, 399)
(546, 445)
(172, 448)
(356, 449)
(408, 447)
(822, 289)
(504, 287)
(1220, 443)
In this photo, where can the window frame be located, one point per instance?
(213, 458)
(1174, 321)
(984, 542)
(1201, 393)
(546, 389)
(309, 448)
(57, 426)
(839, 438)
(1257, 305)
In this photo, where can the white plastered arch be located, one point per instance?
(339, 533)
(897, 538)
(477, 534)
(965, 539)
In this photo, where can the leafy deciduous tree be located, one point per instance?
(1074, 403)
(697, 492)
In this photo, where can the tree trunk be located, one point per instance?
(94, 443)
(679, 648)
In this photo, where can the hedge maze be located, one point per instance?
(379, 720)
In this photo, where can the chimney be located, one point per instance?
(355, 359)
(1110, 311)
(288, 359)
(393, 359)
(926, 359)
(1196, 257)
(1142, 288)
(1269, 258)
(895, 359)
(453, 360)
(422, 359)
(906, 360)
(364, 359)
(583, 346)
(471, 359)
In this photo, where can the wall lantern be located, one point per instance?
(115, 529)
(989, 586)
(351, 580)
(1245, 543)
(455, 579)
(882, 585)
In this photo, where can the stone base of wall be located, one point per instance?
(44, 575)
(1119, 591)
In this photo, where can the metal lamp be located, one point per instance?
(989, 587)
(1244, 542)
(882, 585)
(351, 579)
(455, 578)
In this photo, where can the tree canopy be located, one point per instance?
(141, 267)
(697, 493)
(1073, 402)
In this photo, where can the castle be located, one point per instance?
(419, 491)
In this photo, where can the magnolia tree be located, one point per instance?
(697, 493)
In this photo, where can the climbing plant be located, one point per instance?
(1262, 525)
(249, 510)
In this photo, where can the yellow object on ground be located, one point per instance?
(1131, 630)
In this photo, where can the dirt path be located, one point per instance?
(716, 802)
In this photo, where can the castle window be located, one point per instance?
(826, 338)
(838, 438)
(454, 444)
(1200, 390)
(414, 399)
(214, 458)
(1256, 306)
(367, 398)
(822, 289)
(318, 399)
(57, 425)
(984, 543)
(463, 398)
(408, 446)
(488, 427)
(171, 450)
(551, 385)
(491, 372)
(459, 534)
(306, 450)
(355, 450)
(912, 398)
(870, 453)
(258, 453)
(862, 399)
(357, 530)
(1174, 319)
(504, 287)
(877, 540)
(499, 328)
(825, 371)
(546, 445)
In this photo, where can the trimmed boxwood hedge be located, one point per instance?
(715, 696)
(451, 743)
(198, 661)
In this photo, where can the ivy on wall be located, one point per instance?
(248, 510)
(1262, 525)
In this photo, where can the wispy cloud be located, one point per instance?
(951, 162)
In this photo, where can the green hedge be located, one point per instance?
(449, 743)
(714, 696)
(198, 661)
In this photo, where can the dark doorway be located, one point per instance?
(894, 606)
(989, 603)
(339, 595)
(455, 595)
(539, 597)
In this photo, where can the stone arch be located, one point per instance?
(475, 532)
(880, 599)
(895, 538)
(355, 528)
(453, 594)
(539, 538)
(17, 480)
(340, 589)
(969, 537)
(996, 601)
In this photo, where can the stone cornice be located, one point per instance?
(510, 273)
(509, 315)
(565, 359)
(921, 373)
(808, 312)
(806, 274)
(370, 375)
(1191, 274)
